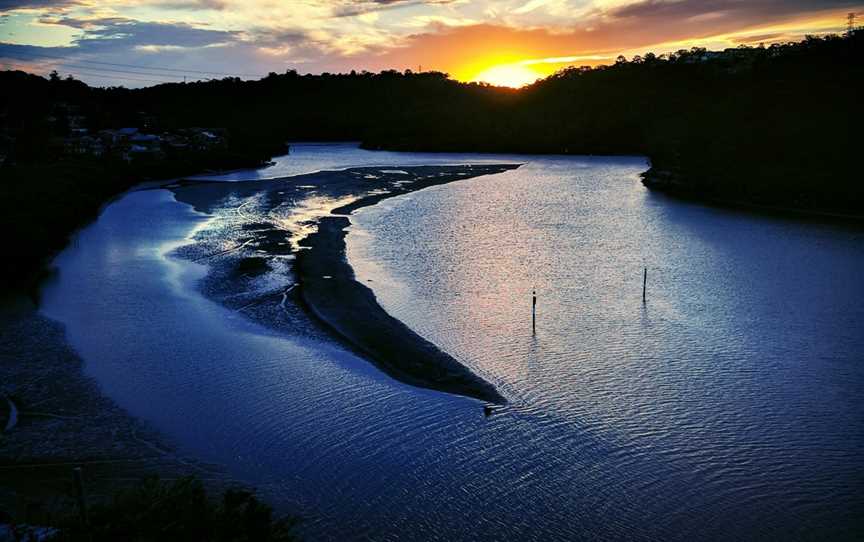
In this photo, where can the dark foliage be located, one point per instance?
(769, 125)
(157, 511)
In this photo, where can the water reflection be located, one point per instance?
(301, 218)
(725, 408)
(738, 348)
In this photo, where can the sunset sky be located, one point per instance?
(143, 42)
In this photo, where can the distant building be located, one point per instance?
(145, 146)
(132, 143)
(84, 146)
(147, 140)
(206, 139)
(175, 142)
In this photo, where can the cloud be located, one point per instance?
(530, 6)
(772, 37)
(9, 5)
(119, 33)
(182, 5)
(362, 7)
(671, 10)
(193, 5)
(644, 25)
(457, 36)
(140, 65)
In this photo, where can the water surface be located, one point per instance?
(726, 407)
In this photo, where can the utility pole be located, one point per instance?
(534, 312)
(644, 282)
(850, 23)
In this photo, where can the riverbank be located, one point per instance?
(673, 183)
(64, 421)
(276, 253)
(43, 204)
(329, 289)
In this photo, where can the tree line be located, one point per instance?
(773, 125)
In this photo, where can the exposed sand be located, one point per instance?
(61, 418)
(289, 235)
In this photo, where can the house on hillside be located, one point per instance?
(84, 146)
(146, 147)
(207, 139)
(132, 143)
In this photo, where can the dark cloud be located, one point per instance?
(685, 9)
(183, 5)
(83, 24)
(25, 52)
(112, 51)
(275, 38)
(121, 33)
(775, 37)
(24, 56)
(9, 5)
(360, 7)
(138, 68)
(193, 5)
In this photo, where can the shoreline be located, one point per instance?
(63, 420)
(46, 381)
(671, 184)
(81, 189)
(351, 312)
(326, 300)
(330, 291)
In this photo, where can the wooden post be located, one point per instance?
(644, 282)
(534, 311)
(82, 497)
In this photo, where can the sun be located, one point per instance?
(508, 75)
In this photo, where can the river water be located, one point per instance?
(726, 407)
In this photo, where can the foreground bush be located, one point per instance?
(157, 511)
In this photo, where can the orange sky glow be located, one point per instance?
(515, 57)
(501, 42)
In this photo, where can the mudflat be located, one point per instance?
(289, 235)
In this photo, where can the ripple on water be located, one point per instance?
(716, 399)
(728, 407)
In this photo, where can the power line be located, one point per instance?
(151, 68)
(101, 72)
(99, 68)
(118, 78)
(79, 66)
(24, 67)
(79, 73)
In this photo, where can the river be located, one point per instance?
(725, 407)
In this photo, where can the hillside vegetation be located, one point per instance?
(771, 125)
